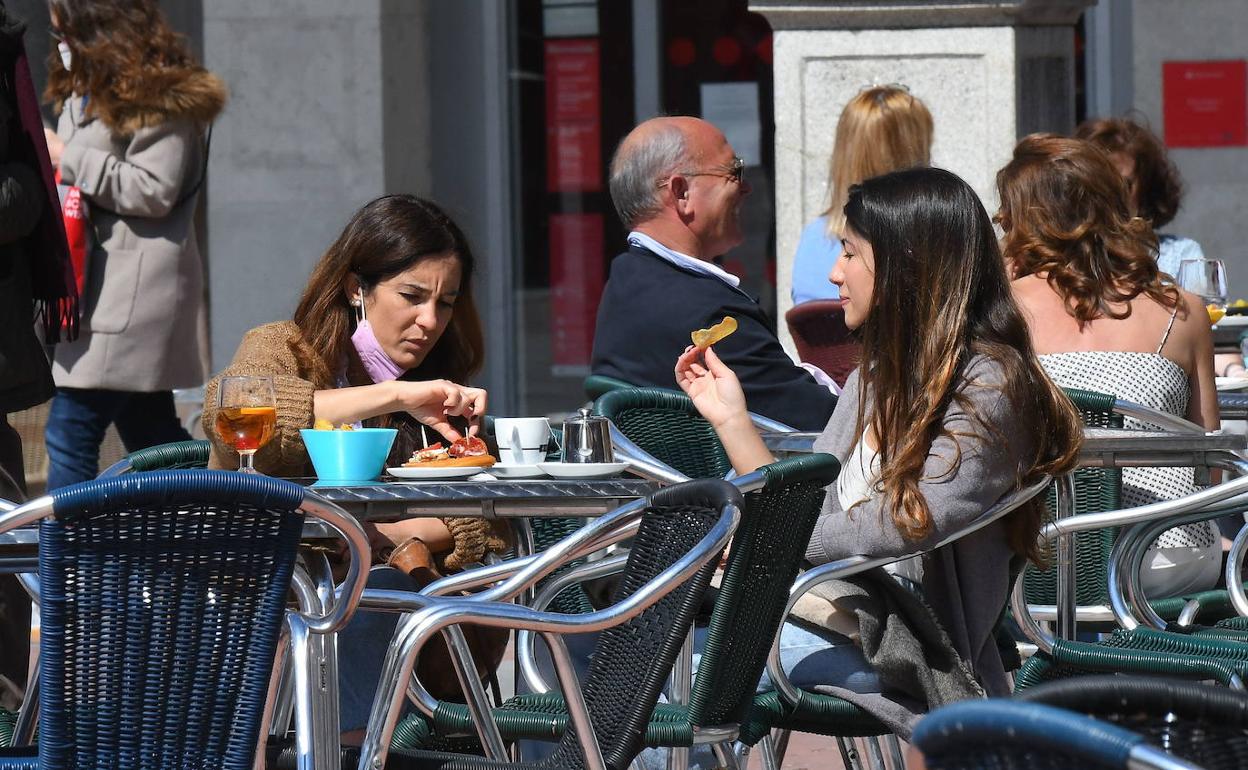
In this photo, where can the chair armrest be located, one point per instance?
(1163, 420)
(444, 613)
(642, 462)
(853, 565)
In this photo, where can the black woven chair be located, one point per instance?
(781, 504)
(682, 530)
(162, 603)
(999, 734)
(163, 457)
(1202, 724)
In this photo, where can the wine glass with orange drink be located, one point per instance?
(246, 416)
(1206, 278)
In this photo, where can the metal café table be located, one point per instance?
(490, 499)
(1102, 448)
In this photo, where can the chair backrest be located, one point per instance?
(163, 457)
(1096, 489)
(1006, 734)
(163, 600)
(598, 384)
(666, 424)
(766, 553)
(1201, 723)
(822, 338)
(631, 662)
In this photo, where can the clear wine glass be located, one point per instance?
(1206, 278)
(246, 416)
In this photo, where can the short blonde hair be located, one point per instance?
(881, 129)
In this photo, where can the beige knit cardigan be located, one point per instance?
(278, 350)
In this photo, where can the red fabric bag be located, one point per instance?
(77, 229)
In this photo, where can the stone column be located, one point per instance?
(329, 108)
(989, 71)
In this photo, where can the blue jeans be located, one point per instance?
(79, 418)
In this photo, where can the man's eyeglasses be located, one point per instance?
(734, 172)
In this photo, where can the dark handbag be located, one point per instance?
(434, 667)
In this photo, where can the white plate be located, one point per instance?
(1233, 320)
(1230, 383)
(453, 472)
(582, 470)
(515, 471)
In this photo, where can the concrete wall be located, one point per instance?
(1216, 178)
(985, 87)
(328, 109)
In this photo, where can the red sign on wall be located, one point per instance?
(576, 280)
(1204, 103)
(573, 116)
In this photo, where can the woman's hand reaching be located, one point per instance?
(717, 395)
(434, 402)
(713, 387)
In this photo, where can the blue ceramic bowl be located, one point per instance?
(348, 455)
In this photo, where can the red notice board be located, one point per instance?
(576, 279)
(1204, 103)
(573, 116)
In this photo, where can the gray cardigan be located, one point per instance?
(965, 582)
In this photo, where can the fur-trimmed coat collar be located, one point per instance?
(181, 93)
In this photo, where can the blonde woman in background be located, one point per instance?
(882, 129)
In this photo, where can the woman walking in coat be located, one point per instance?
(134, 110)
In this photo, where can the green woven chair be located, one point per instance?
(764, 559)
(666, 424)
(1142, 651)
(1096, 489)
(598, 384)
(177, 455)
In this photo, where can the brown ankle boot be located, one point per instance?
(414, 558)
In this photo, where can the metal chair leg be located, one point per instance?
(875, 753)
(894, 750)
(782, 744)
(28, 713)
(724, 756)
(849, 753)
(767, 747)
(682, 683)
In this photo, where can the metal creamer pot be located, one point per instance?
(587, 439)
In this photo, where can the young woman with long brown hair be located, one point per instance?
(134, 109)
(385, 334)
(948, 412)
(1104, 318)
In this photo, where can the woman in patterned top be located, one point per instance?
(1104, 318)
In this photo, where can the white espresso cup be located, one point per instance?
(522, 440)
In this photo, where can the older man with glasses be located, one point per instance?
(678, 186)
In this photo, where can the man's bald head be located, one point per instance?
(651, 151)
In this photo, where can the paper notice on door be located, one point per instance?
(733, 108)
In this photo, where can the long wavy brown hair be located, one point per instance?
(1065, 215)
(942, 297)
(1157, 186)
(124, 54)
(388, 236)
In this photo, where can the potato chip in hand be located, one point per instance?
(704, 338)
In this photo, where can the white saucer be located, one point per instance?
(1224, 384)
(453, 472)
(582, 470)
(515, 471)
